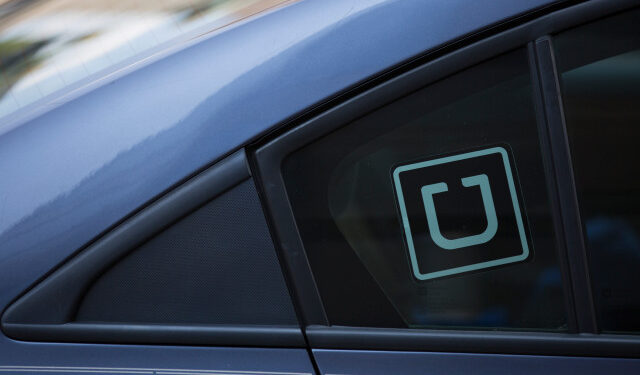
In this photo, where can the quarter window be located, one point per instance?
(216, 265)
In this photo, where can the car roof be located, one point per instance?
(73, 167)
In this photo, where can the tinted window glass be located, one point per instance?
(217, 265)
(433, 210)
(599, 67)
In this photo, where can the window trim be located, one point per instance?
(477, 341)
(268, 155)
(552, 186)
(165, 334)
(565, 196)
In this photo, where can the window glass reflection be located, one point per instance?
(599, 67)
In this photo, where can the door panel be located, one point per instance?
(37, 358)
(356, 362)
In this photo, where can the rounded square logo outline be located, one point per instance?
(471, 267)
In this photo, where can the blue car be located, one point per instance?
(355, 187)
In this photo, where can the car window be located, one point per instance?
(216, 265)
(433, 210)
(599, 67)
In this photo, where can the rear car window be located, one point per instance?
(433, 211)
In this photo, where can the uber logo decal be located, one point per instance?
(460, 213)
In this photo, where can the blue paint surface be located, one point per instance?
(16, 357)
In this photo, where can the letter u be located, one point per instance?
(432, 218)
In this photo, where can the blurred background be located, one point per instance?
(47, 45)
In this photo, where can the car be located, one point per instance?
(334, 187)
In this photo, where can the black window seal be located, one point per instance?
(477, 341)
(160, 334)
(267, 154)
(46, 312)
(566, 197)
(550, 171)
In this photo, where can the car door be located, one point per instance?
(456, 218)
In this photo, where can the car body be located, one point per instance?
(78, 165)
